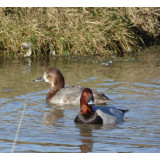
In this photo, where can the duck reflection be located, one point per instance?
(52, 115)
(86, 132)
(87, 137)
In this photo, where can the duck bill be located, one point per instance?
(91, 103)
(41, 79)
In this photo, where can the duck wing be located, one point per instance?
(110, 115)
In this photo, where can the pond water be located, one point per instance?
(51, 128)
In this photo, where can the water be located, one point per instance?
(51, 128)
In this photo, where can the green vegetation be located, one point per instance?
(78, 31)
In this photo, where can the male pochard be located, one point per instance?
(59, 94)
(99, 114)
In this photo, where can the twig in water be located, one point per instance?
(19, 126)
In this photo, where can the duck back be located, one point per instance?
(67, 95)
(110, 115)
(71, 95)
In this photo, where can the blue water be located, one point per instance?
(51, 128)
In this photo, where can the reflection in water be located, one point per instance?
(87, 137)
(50, 117)
(55, 115)
(86, 134)
(27, 67)
(51, 128)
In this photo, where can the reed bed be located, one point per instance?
(78, 31)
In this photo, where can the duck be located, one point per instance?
(29, 51)
(97, 114)
(59, 94)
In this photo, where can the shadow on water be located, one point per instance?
(51, 128)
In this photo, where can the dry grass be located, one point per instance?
(77, 31)
(146, 20)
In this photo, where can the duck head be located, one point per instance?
(86, 101)
(54, 77)
(86, 114)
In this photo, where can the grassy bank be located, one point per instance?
(76, 31)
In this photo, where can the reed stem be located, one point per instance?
(19, 126)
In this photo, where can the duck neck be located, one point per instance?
(51, 94)
(86, 109)
(58, 84)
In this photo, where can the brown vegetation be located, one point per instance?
(77, 31)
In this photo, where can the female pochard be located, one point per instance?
(99, 114)
(59, 94)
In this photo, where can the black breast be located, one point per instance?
(88, 118)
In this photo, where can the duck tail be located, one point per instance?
(124, 110)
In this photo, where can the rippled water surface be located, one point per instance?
(51, 128)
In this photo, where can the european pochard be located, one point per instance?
(99, 114)
(59, 94)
